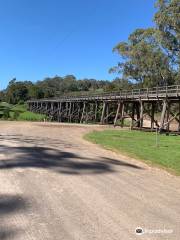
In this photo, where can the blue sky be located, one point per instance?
(41, 38)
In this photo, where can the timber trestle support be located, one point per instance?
(157, 107)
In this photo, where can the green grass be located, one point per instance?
(26, 115)
(20, 107)
(5, 104)
(127, 122)
(30, 116)
(142, 145)
(19, 112)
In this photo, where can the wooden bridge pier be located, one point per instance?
(160, 106)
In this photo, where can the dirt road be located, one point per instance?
(56, 186)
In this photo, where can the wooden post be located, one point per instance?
(44, 107)
(59, 111)
(167, 117)
(52, 108)
(69, 112)
(46, 110)
(138, 113)
(152, 115)
(141, 114)
(73, 110)
(88, 107)
(132, 116)
(179, 118)
(122, 115)
(41, 107)
(103, 112)
(66, 113)
(84, 108)
(95, 111)
(51, 111)
(163, 114)
(107, 113)
(117, 113)
(29, 106)
(79, 111)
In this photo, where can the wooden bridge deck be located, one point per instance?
(114, 107)
(134, 94)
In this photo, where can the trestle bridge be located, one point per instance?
(160, 105)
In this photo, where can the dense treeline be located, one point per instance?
(20, 91)
(150, 57)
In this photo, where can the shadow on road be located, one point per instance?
(10, 205)
(59, 161)
(34, 155)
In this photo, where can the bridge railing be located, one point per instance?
(159, 91)
(134, 93)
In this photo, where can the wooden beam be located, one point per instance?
(83, 112)
(52, 108)
(69, 112)
(138, 113)
(167, 117)
(133, 113)
(95, 111)
(106, 113)
(122, 115)
(59, 111)
(163, 114)
(79, 112)
(103, 112)
(117, 113)
(152, 115)
(141, 114)
(87, 112)
(179, 118)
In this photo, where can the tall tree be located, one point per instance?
(167, 21)
(17, 91)
(143, 60)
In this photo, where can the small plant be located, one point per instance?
(18, 112)
(16, 115)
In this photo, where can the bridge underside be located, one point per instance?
(158, 112)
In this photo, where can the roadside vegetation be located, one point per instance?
(18, 112)
(142, 145)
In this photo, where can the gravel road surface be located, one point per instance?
(56, 186)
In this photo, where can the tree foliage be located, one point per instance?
(8, 112)
(21, 91)
(151, 56)
(167, 21)
(17, 91)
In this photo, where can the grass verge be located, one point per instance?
(30, 116)
(142, 145)
(25, 115)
